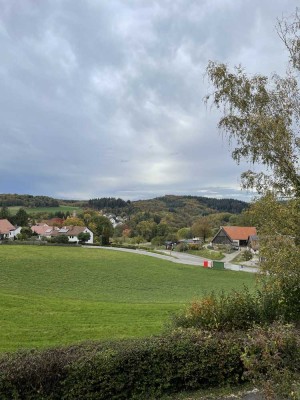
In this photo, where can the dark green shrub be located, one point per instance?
(60, 239)
(34, 374)
(84, 237)
(136, 369)
(158, 241)
(183, 360)
(182, 247)
(247, 255)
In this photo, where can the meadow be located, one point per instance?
(53, 296)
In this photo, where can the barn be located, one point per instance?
(234, 235)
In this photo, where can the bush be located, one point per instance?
(158, 241)
(228, 311)
(182, 247)
(33, 374)
(241, 310)
(195, 246)
(272, 358)
(136, 369)
(149, 368)
(247, 255)
(60, 239)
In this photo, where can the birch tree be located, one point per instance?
(261, 118)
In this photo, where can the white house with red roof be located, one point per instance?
(71, 231)
(7, 230)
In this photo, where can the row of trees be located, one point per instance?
(107, 203)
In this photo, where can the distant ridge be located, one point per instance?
(169, 201)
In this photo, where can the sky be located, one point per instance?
(104, 98)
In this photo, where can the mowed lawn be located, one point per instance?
(59, 295)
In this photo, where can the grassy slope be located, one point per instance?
(59, 295)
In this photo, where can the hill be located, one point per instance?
(194, 205)
(175, 211)
(27, 200)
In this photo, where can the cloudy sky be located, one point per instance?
(105, 97)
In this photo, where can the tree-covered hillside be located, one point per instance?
(27, 200)
(182, 211)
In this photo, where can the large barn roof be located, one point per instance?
(240, 232)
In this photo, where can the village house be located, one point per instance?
(234, 235)
(7, 230)
(44, 230)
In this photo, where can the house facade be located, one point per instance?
(253, 244)
(7, 230)
(234, 235)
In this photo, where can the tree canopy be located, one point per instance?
(261, 117)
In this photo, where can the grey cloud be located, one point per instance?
(104, 98)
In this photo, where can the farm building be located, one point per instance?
(234, 235)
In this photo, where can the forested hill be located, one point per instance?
(200, 205)
(185, 206)
(27, 200)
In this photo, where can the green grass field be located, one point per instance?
(59, 295)
(35, 210)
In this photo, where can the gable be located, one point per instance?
(221, 237)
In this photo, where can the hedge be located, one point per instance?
(138, 369)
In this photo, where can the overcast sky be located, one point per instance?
(105, 97)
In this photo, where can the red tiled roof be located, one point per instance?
(6, 226)
(55, 221)
(43, 230)
(239, 232)
(68, 230)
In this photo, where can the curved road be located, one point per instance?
(179, 258)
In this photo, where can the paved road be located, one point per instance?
(179, 258)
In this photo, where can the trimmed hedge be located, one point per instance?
(141, 369)
(137, 369)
